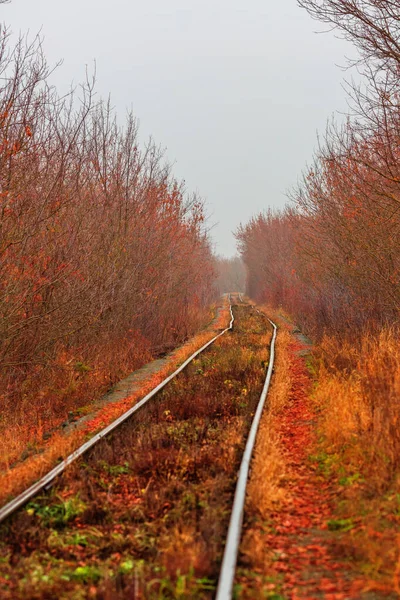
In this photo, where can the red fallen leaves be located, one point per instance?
(302, 545)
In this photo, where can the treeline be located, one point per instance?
(103, 255)
(333, 257)
(231, 274)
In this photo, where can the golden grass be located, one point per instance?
(358, 395)
(268, 466)
(356, 403)
(357, 399)
(267, 487)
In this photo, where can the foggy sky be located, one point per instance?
(234, 89)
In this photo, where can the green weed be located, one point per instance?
(57, 515)
(340, 525)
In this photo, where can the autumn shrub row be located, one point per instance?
(103, 256)
(331, 258)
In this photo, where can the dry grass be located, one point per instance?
(266, 488)
(357, 450)
(148, 507)
(48, 396)
(268, 465)
(21, 438)
(358, 395)
(357, 399)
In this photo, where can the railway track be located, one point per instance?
(46, 481)
(145, 425)
(227, 575)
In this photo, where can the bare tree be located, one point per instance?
(103, 254)
(372, 25)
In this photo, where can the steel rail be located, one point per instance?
(228, 568)
(45, 481)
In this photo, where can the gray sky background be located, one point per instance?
(234, 89)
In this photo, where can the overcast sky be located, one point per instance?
(234, 89)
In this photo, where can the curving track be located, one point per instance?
(227, 575)
(45, 482)
(228, 567)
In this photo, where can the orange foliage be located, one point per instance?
(104, 259)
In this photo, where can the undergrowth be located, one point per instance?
(266, 488)
(357, 399)
(28, 452)
(350, 463)
(145, 515)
